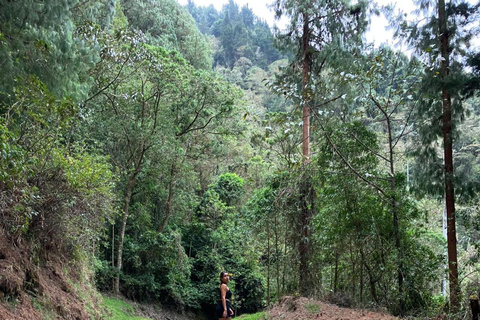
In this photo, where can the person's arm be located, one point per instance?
(223, 292)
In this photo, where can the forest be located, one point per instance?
(146, 146)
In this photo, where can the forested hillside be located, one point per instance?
(147, 146)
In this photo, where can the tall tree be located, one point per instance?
(132, 118)
(441, 101)
(448, 155)
(148, 98)
(388, 88)
(316, 27)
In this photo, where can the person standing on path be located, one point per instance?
(224, 309)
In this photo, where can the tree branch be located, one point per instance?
(330, 142)
(325, 103)
(197, 115)
(111, 82)
(369, 149)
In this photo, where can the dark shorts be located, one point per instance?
(219, 310)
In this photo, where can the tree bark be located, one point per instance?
(306, 192)
(285, 253)
(335, 277)
(306, 70)
(305, 236)
(268, 262)
(474, 306)
(371, 279)
(277, 254)
(121, 236)
(169, 202)
(354, 270)
(361, 275)
(448, 159)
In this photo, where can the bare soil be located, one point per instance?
(299, 308)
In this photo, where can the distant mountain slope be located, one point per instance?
(239, 33)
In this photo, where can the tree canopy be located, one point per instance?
(147, 146)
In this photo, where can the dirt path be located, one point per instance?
(298, 308)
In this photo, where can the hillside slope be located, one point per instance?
(30, 290)
(299, 308)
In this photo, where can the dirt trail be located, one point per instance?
(299, 308)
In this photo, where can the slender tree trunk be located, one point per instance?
(335, 279)
(306, 191)
(448, 158)
(277, 255)
(304, 243)
(121, 236)
(361, 275)
(113, 245)
(113, 255)
(306, 70)
(268, 263)
(354, 270)
(169, 202)
(350, 205)
(396, 228)
(371, 278)
(285, 252)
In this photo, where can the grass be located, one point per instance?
(120, 310)
(312, 307)
(88, 295)
(254, 316)
(44, 308)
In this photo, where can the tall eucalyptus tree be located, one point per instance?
(319, 31)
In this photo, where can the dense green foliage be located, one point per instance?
(168, 25)
(240, 34)
(42, 39)
(156, 145)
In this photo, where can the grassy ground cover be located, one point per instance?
(254, 316)
(120, 310)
